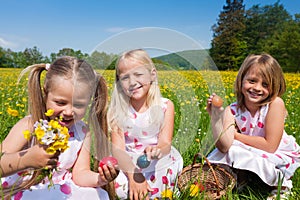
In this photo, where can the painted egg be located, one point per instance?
(217, 101)
(109, 160)
(142, 161)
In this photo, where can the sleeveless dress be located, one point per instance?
(139, 133)
(64, 187)
(268, 166)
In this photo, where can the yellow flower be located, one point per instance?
(167, 194)
(51, 150)
(49, 112)
(54, 124)
(12, 112)
(39, 132)
(27, 134)
(194, 190)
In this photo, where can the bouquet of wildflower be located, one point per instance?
(51, 134)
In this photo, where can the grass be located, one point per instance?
(189, 91)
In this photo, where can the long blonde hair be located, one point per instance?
(120, 102)
(270, 71)
(79, 71)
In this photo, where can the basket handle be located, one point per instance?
(200, 155)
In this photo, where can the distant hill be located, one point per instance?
(184, 60)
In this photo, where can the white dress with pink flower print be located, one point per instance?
(268, 166)
(139, 133)
(64, 187)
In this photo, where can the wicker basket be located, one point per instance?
(216, 179)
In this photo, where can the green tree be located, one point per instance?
(228, 45)
(262, 23)
(68, 52)
(28, 57)
(6, 58)
(101, 60)
(284, 45)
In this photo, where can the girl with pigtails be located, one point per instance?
(69, 87)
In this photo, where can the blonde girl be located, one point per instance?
(69, 86)
(142, 122)
(253, 136)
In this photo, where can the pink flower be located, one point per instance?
(134, 115)
(165, 180)
(243, 118)
(18, 195)
(264, 156)
(279, 156)
(260, 124)
(126, 134)
(155, 190)
(21, 173)
(144, 133)
(71, 134)
(243, 129)
(152, 178)
(5, 184)
(117, 185)
(232, 111)
(65, 188)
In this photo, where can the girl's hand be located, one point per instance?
(37, 157)
(107, 173)
(138, 187)
(153, 152)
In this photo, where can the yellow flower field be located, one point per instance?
(187, 89)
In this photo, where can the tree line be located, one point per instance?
(269, 29)
(10, 59)
(237, 33)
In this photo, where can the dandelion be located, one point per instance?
(167, 194)
(49, 112)
(12, 112)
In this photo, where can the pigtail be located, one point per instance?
(36, 101)
(98, 121)
(36, 107)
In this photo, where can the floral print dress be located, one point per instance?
(64, 187)
(268, 166)
(161, 174)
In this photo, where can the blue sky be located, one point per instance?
(82, 25)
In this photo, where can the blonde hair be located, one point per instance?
(79, 71)
(120, 102)
(269, 70)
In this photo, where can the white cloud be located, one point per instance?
(7, 44)
(115, 29)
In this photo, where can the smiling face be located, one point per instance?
(68, 101)
(254, 87)
(135, 79)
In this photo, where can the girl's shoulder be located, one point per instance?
(166, 102)
(277, 102)
(277, 105)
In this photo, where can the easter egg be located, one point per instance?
(217, 101)
(109, 160)
(142, 161)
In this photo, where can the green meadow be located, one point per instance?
(189, 91)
